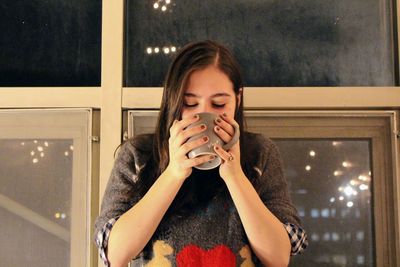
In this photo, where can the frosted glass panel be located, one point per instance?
(44, 206)
(330, 184)
(35, 188)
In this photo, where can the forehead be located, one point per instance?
(209, 81)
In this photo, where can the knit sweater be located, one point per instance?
(208, 232)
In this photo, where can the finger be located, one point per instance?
(222, 134)
(182, 124)
(223, 123)
(189, 146)
(178, 126)
(198, 160)
(184, 135)
(225, 156)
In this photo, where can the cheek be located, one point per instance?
(230, 111)
(187, 113)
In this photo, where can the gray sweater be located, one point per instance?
(207, 231)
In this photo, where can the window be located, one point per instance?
(45, 187)
(277, 43)
(339, 171)
(50, 43)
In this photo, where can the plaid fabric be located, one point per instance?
(298, 238)
(102, 240)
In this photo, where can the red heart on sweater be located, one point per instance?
(194, 256)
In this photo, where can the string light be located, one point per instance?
(346, 164)
(337, 173)
(312, 153)
(165, 49)
(363, 187)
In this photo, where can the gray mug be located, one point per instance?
(208, 148)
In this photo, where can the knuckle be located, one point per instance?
(187, 146)
(197, 161)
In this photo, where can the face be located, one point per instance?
(209, 90)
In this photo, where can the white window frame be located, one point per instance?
(111, 97)
(74, 128)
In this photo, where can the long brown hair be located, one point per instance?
(192, 57)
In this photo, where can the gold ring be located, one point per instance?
(230, 158)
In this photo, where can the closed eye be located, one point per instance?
(190, 105)
(219, 105)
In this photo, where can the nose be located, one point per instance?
(209, 108)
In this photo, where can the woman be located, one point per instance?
(160, 211)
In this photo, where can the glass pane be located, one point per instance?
(50, 43)
(43, 188)
(330, 184)
(36, 202)
(277, 43)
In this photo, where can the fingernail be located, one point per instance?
(216, 148)
(218, 120)
(217, 128)
(225, 115)
(196, 116)
(205, 138)
(202, 126)
(212, 157)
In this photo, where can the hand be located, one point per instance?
(231, 158)
(180, 166)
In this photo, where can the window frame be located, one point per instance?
(378, 126)
(112, 98)
(82, 188)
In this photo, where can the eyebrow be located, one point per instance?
(215, 95)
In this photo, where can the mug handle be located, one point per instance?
(234, 139)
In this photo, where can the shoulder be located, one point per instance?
(137, 148)
(259, 149)
(258, 142)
